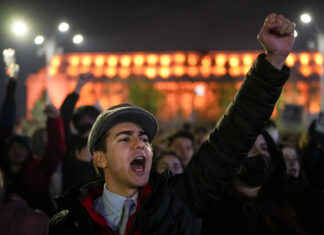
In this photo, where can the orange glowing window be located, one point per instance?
(235, 71)
(206, 61)
(305, 70)
(291, 59)
(178, 71)
(318, 58)
(124, 73)
(112, 60)
(220, 59)
(234, 61)
(84, 69)
(72, 71)
(192, 71)
(164, 72)
(86, 61)
(219, 70)
(152, 59)
(74, 60)
(138, 60)
(97, 72)
(165, 60)
(52, 71)
(179, 58)
(125, 60)
(99, 61)
(247, 60)
(314, 107)
(304, 58)
(150, 72)
(192, 59)
(138, 71)
(111, 72)
(56, 61)
(205, 71)
(318, 70)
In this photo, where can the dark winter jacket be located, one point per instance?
(313, 158)
(173, 205)
(283, 206)
(8, 113)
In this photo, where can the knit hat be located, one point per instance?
(122, 113)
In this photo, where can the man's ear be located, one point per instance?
(99, 159)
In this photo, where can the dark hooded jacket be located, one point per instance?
(284, 206)
(313, 158)
(173, 205)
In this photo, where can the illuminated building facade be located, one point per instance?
(193, 84)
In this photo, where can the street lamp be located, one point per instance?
(319, 37)
(39, 40)
(77, 39)
(50, 47)
(63, 27)
(19, 28)
(305, 18)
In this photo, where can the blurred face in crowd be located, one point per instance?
(171, 163)
(184, 149)
(260, 147)
(256, 169)
(17, 153)
(291, 159)
(128, 159)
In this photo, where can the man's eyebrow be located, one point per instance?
(124, 133)
(129, 132)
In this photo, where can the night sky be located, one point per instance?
(143, 25)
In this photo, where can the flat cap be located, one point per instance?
(122, 113)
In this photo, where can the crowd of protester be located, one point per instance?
(278, 188)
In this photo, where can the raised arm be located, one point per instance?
(213, 167)
(68, 104)
(8, 110)
(56, 146)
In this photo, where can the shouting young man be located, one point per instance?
(130, 200)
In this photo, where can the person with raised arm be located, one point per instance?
(130, 199)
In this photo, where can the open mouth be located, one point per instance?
(138, 164)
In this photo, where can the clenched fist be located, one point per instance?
(277, 38)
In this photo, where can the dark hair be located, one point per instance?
(182, 134)
(83, 111)
(100, 145)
